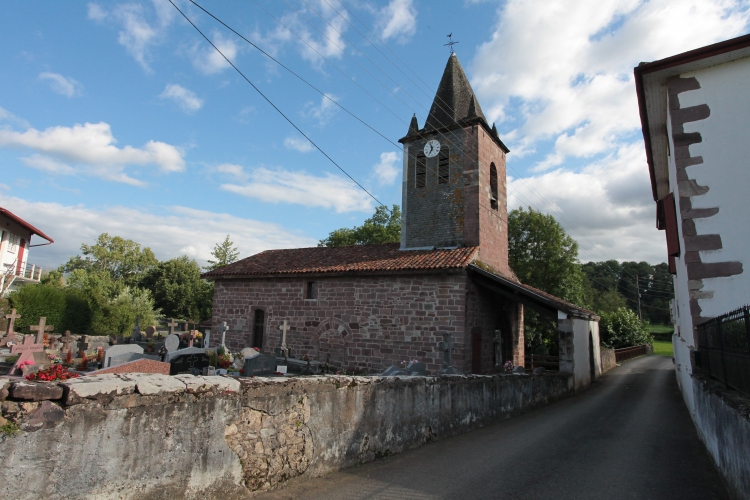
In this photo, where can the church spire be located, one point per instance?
(454, 99)
(413, 126)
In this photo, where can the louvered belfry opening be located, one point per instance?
(443, 166)
(420, 178)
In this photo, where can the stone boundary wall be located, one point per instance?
(151, 436)
(722, 419)
(609, 360)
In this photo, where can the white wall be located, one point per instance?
(726, 171)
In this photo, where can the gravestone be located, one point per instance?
(223, 329)
(172, 323)
(40, 329)
(394, 371)
(446, 345)
(118, 350)
(10, 334)
(519, 370)
(207, 338)
(128, 357)
(193, 363)
(136, 335)
(262, 364)
(417, 368)
(248, 352)
(172, 343)
(25, 352)
(181, 352)
(497, 342)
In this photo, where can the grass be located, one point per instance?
(10, 429)
(661, 328)
(663, 348)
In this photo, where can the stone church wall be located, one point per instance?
(367, 323)
(148, 436)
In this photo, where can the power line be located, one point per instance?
(275, 107)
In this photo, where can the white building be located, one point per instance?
(695, 114)
(15, 269)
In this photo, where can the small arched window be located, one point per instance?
(421, 173)
(493, 186)
(258, 328)
(443, 166)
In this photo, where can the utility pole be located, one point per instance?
(638, 289)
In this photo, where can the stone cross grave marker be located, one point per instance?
(446, 345)
(172, 343)
(40, 329)
(25, 352)
(118, 350)
(83, 345)
(136, 335)
(223, 329)
(497, 342)
(66, 340)
(172, 323)
(284, 328)
(10, 333)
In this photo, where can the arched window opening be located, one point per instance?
(258, 327)
(421, 174)
(443, 167)
(493, 186)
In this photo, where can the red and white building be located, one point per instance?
(15, 242)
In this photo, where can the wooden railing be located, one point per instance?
(549, 362)
(627, 353)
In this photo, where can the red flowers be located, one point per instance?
(51, 374)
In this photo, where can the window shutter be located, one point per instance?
(670, 218)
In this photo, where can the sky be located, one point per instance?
(119, 117)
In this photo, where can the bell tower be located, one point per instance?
(454, 186)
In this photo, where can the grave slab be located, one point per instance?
(137, 366)
(128, 357)
(118, 350)
(187, 361)
(181, 352)
(263, 364)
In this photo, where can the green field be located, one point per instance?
(663, 348)
(660, 329)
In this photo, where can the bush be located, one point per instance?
(622, 328)
(34, 301)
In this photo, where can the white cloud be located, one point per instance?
(4, 187)
(607, 207)
(323, 112)
(174, 231)
(186, 99)
(282, 186)
(7, 116)
(96, 13)
(566, 70)
(137, 33)
(388, 169)
(397, 20)
(236, 172)
(298, 144)
(208, 61)
(90, 149)
(63, 85)
(312, 44)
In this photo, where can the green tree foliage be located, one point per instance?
(542, 255)
(622, 328)
(611, 285)
(123, 259)
(34, 301)
(178, 289)
(224, 253)
(382, 227)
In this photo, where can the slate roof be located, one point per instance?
(453, 99)
(357, 258)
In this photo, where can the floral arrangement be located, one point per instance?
(54, 372)
(99, 354)
(305, 358)
(404, 364)
(84, 364)
(25, 363)
(69, 357)
(508, 367)
(199, 335)
(224, 360)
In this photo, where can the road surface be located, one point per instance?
(627, 437)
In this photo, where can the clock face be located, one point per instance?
(432, 148)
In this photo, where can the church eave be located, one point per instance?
(469, 122)
(337, 274)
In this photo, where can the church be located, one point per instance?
(368, 307)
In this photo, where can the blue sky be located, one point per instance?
(118, 117)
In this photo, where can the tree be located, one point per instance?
(382, 227)
(542, 255)
(178, 289)
(224, 253)
(622, 328)
(122, 259)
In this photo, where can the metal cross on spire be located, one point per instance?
(450, 43)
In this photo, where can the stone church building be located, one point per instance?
(372, 306)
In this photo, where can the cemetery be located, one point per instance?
(213, 432)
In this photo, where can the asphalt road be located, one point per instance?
(627, 437)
